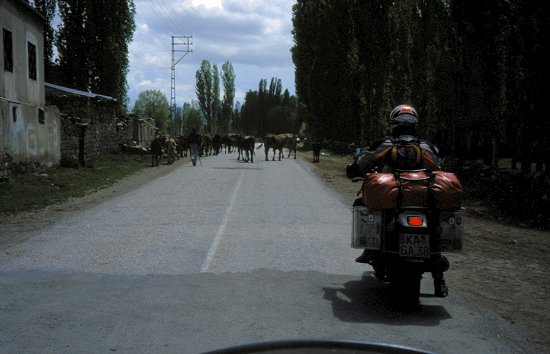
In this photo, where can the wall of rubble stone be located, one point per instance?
(89, 127)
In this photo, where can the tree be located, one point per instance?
(92, 43)
(228, 80)
(204, 91)
(71, 44)
(325, 56)
(47, 8)
(192, 117)
(269, 111)
(216, 103)
(217, 112)
(153, 104)
(110, 31)
(476, 72)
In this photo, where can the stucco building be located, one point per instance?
(29, 130)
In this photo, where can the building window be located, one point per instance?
(14, 114)
(32, 60)
(41, 116)
(8, 51)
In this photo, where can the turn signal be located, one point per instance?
(415, 220)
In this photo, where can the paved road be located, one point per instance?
(213, 256)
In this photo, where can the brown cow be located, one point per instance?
(156, 150)
(183, 145)
(275, 142)
(291, 140)
(206, 145)
(316, 147)
(217, 143)
(233, 141)
(246, 146)
(170, 147)
(225, 141)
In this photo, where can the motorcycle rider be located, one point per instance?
(384, 156)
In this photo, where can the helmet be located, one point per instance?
(403, 120)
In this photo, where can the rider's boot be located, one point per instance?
(365, 257)
(440, 287)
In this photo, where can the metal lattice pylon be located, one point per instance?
(180, 44)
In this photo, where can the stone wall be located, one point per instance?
(89, 127)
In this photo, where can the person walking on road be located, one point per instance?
(194, 142)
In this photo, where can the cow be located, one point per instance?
(183, 146)
(206, 145)
(233, 140)
(291, 140)
(275, 142)
(217, 143)
(157, 145)
(246, 147)
(316, 147)
(225, 141)
(170, 146)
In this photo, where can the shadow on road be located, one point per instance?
(366, 301)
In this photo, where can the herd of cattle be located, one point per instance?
(174, 148)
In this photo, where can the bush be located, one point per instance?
(523, 197)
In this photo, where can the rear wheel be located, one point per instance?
(406, 286)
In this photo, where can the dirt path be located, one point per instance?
(503, 268)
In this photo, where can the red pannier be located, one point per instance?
(380, 191)
(415, 188)
(447, 191)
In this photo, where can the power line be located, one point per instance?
(167, 14)
(158, 11)
(172, 15)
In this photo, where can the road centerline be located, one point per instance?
(221, 230)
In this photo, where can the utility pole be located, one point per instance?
(180, 44)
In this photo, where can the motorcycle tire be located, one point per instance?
(407, 290)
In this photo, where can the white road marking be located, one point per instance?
(221, 230)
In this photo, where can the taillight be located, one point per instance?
(415, 220)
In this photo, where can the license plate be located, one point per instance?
(414, 245)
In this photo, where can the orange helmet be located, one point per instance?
(403, 119)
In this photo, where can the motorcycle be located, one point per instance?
(404, 221)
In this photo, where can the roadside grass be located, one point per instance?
(330, 162)
(328, 155)
(32, 191)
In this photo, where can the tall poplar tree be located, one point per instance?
(93, 43)
(204, 91)
(47, 8)
(216, 102)
(228, 81)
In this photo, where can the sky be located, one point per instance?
(254, 35)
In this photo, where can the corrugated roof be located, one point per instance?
(56, 89)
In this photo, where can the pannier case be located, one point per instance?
(452, 225)
(366, 228)
(383, 190)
